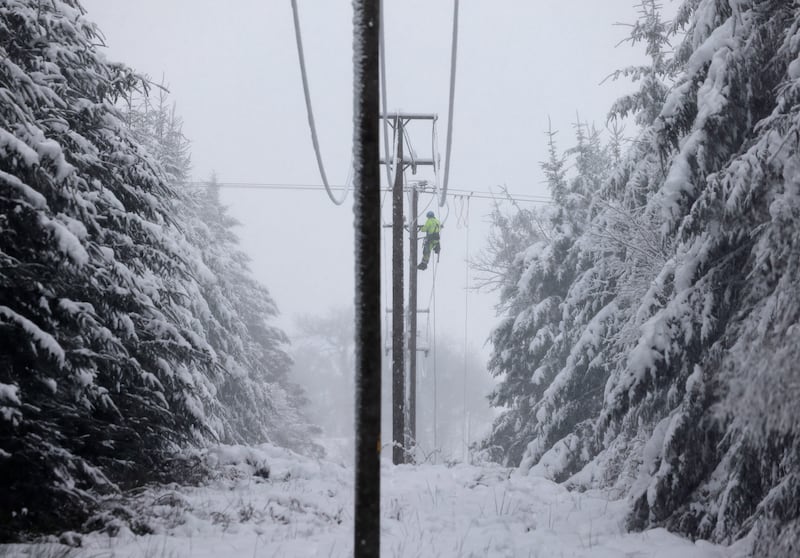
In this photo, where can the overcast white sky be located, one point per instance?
(232, 70)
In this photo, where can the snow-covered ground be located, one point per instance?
(304, 508)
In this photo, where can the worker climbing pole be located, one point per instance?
(369, 71)
(404, 341)
(432, 243)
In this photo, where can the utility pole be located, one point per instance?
(402, 437)
(367, 209)
(412, 319)
(398, 326)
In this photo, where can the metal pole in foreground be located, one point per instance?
(366, 155)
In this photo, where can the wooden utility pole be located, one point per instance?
(412, 320)
(367, 208)
(404, 433)
(398, 325)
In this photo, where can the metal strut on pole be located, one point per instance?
(398, 322)
(367, 209)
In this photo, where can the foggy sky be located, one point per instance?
(232, 70)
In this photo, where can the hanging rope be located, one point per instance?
(446, 215)
(435, 377)
(460, 204)
(453, 58)
(466, 330)
(385, 259)
(310, 111)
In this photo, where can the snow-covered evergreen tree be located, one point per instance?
(97, 380)
(226, 307)
(129, 323)
(719, 455)
(261, 400)
(533, 344)
(694, 237)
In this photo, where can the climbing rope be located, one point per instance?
(435, 377)
(310, 111)
(385, 259)
(466, 330)
(460, 203)
(431, 338)
(446, 215)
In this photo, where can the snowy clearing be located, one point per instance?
(304, 508)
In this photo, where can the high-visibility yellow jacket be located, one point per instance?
(431, 226)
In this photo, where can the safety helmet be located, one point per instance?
(430, 214)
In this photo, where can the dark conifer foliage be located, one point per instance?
(658, 354)
(86, 277)
(548, 293)
(130, 325)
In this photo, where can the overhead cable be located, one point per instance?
(453, 57)
(300, 187)
(310, 111)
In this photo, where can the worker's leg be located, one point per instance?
(426, 254)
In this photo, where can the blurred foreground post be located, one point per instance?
(366, 154)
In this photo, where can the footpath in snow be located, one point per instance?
(271, 502)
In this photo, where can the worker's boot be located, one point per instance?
(422, 265)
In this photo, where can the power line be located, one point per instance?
(310, 111)
(453, 56)
(282, 186)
